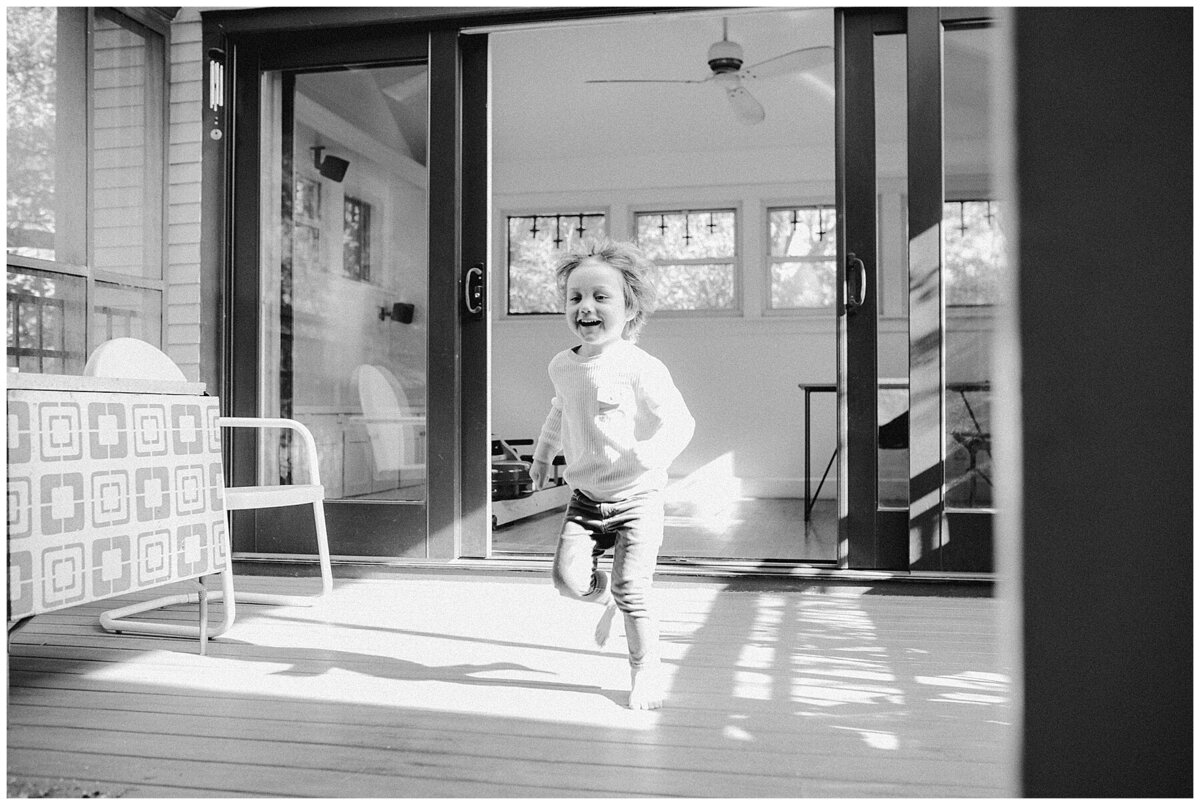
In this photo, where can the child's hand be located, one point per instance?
(539, 471)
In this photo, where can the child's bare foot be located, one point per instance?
(648, 689)
(605, 624)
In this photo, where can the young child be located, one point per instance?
(620, 422)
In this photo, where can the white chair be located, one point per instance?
(391, 426)
(130, 358)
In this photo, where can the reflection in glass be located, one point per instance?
(123, 312)
(126, 147)
(46, 322)
(891, 160)
(45, 131)
(340, 250)
(974, 260)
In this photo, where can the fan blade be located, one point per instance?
(645, 81)
(797, 61)
(748, 110)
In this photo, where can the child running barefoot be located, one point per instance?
(620, 422)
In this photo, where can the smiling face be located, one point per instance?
(596, 310)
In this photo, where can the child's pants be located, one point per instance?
(633, 528)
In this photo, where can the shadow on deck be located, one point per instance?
(487, 686)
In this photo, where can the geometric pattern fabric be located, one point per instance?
(110, 493)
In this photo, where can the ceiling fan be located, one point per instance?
(725, 61)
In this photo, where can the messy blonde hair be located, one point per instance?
(635, 268)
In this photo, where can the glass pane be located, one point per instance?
(534, 245)
(695, 287)
(46, 322)
(803, 285)
(974, 261)
(46, 111)
(806, 232)
(688, 235)
(344, 277)
(126, 145)
(973, 240)
(803, 232)
(891, 131)
(120, 312)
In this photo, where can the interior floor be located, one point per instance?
(744, 528)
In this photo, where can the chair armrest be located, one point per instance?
(263, 423)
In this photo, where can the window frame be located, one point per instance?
(738, 309)
(968, 310)
(502, 249)
(769, 260)
(81, 206)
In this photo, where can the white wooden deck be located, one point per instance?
(486, 685)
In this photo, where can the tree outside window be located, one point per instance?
(696, 255)
(803, 257)
(535, 244)
(974, 252)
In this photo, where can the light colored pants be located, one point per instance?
(633, 528)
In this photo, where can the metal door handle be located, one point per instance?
(856, 292)
(473, 290)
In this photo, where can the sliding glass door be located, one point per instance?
(918, 273)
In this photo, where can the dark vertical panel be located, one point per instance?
(857, 347)
(445, 307)
(213, 194)
(476, 430)
(1104, 134)
(242, 280)
(926, 311)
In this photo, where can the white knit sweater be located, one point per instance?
(618, 420)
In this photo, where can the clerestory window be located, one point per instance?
(803, 252)
(697, 257)
(535, 243)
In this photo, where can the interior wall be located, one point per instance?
(739, 374)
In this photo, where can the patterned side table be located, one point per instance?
(114, 486)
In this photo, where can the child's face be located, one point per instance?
(596, 309)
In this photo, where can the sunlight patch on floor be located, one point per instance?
(473, 690)
(876, 739)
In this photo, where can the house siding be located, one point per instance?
(183, 312)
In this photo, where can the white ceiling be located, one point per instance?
(543, 109)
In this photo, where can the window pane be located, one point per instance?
(803, 232)
(535, 242)
(695, 287)
(46, 322)
(705, 234)
(127, 136)
(974, 251)
(694, 250)
(803, 284)
(120, 312)
(46, 109)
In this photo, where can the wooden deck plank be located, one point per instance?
(438, 685)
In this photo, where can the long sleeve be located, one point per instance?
(549, 441)
(676, 424)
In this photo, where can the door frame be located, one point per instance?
(871, 537)
(457, 495)
(458, 523)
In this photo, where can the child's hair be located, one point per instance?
(635, 271)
